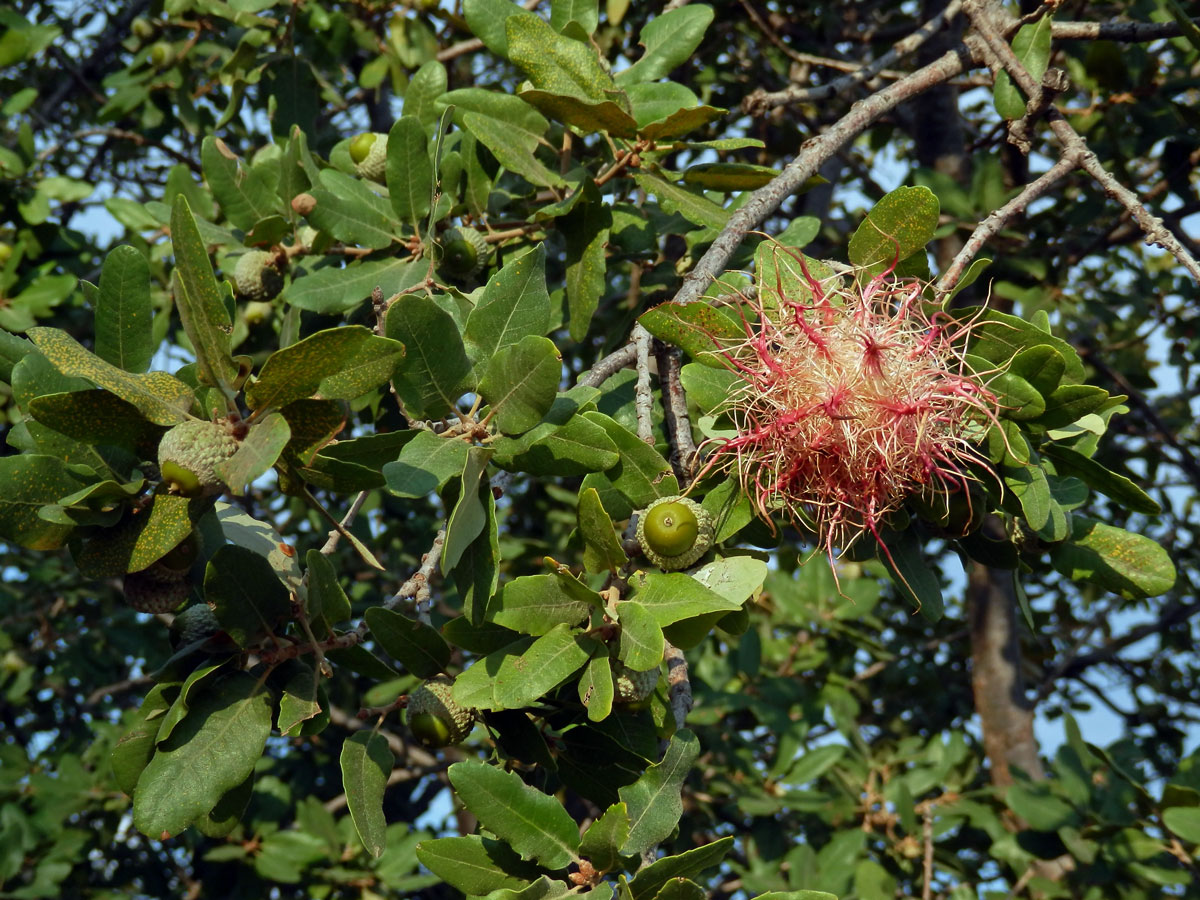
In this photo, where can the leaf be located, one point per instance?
(901, 553)
(813, 764)
(537, 604)
(468, 518)
(1039, 807)
(244, 194)
(669, 40)
(673, 198)
(426, 463)
(416, 646)
(899, 225)
(998, 337)
(1114, 559)
(555, 63)
(211, 752)
(136, 746)
(1125, 492)
(140, 540)
(1031, 488)
(588, 116)
(300, 701)
(257, 453)
(650, 879)
(1042, 366)
(333, 290)
(699, 329)
(584, 12)
(245, 594)
(1070, 403)
(575, 448)
(1184, 821)
(487, 20)
(596, 688)
(513, 147)
(515, 304)
(325, 595)
(161, 398)
(199, 301)
(642, 642)
(642, 474)
(338, 363)
(475, 865)
(671, 597)
(478, 570)
(521, 383)
(1017, 398)
(602, 842)
(349, 211)
(602, 550)
(534, 824)
(366, 765)
(27, 483)
(729, 177)
(436, 369)
(513, 680)
(653, 800)
(427, 84)
(123, 310)
(1031, 46)
(585, 230)
(93, 417)
(409, 170)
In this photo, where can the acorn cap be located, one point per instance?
(255, 276)
(674, 532)
(435, 717)
(189, 453)
(156, 589)
(369, 154)
(632, 686)
(460, 252)
(195, 624)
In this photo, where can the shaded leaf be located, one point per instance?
(650, 879)
(415, 645)
(247, 597)
(436, 369)
(409, 169)
(653, 801)
(425, 464)
(199, 300)
(124, 311)
(515, 304)
(602, 550)
(521, 382)
(366, 763)
(473, 864)
(27, 483)
(140, 540)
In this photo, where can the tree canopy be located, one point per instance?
(640, 450)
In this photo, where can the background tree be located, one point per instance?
(452, 362)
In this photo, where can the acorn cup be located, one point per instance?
(368, 151)
(435, 718)
(674, 532)
(189, 453)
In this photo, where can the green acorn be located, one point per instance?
(435, 718)
(633, 686)
(255, 276)
(189, 453)
(156, 589)
(193, 625)
(162, 55)
(460, 252)
(674, 532)
(369, 154)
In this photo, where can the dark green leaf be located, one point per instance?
(300, 701)
(513, 680)
(901, 553)
(513, 147)
(325, 595)
(672, 597)
(1184, 821)
(521, 382)
(409, 170)
(257, 453)
(351, 212)
(338, 363)
(366, 765)
(534, 824)
(585, 230)
(602, 549)
(487, 18)
(555, 63)
(27, 483)
(650, 879)
(425, 464)
(136, 746)
(427, 84)
(199, 301)
(436, 370)
(473, 864)
(642, 641)
(673, 198)
(642, 474)
(93, 417)
(1031, 46)
(515, 305)
(653, 801)
(588, 116)
(1099, 478)
(211, 752)
(468, 518)
(596, 688)
(140, 540)
(247, 597)
(245, 194)
(696, 327)
(602, 842)
(123, 310)
(1040, 808)
(1070, 403)
(416, 646)
(333, 290)
(536, 604)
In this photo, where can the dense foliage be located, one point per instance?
(354, 358)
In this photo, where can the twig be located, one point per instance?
(643, 400)
(675, 411)
(417, 586)
(118, 687)
(812, 156)
(679, 691)
(999, 219)
(609, 366)
(927, 838)
(759, 101)
(335, 534)
(981, 13)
